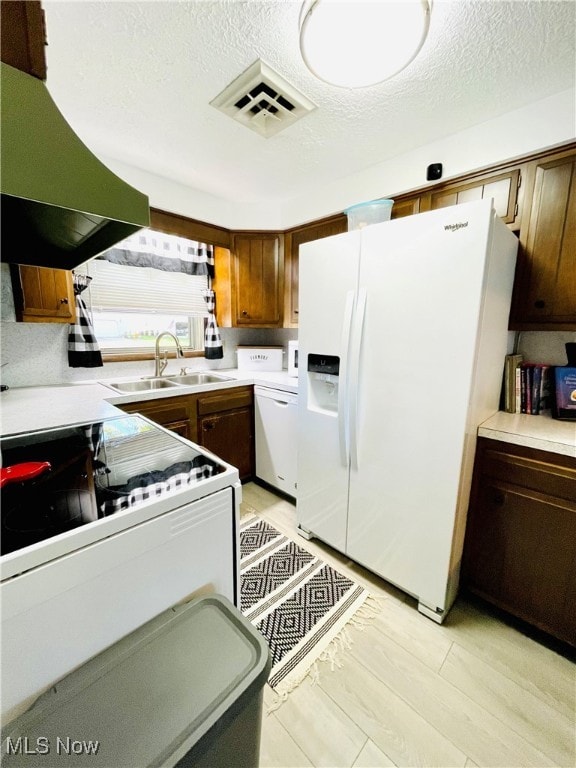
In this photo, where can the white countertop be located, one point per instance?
(541, 432)
(279, 380)
(27, 409)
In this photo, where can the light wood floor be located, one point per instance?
(472, 692)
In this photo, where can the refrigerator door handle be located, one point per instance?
(357, 331)
(343, 410)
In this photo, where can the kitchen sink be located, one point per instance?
(142, 385)
(198, 378)
(152, 383)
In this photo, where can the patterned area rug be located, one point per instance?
(299, 603)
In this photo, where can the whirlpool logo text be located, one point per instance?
(456, 227)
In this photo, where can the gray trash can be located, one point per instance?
(183, 690)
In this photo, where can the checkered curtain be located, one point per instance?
(212, 341)
(158, 250)
(83, 350)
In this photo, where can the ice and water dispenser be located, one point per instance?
(323, 376)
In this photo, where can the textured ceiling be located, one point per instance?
(135, 79)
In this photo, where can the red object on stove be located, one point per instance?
(20, 473)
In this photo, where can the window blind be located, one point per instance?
(117, 287)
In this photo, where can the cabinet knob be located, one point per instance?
(64, 301)
(208, 425)
(540, 304)
(244, 313)
(498, 498)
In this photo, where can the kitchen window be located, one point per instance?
(149, 283)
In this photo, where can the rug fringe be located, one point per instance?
(343, 640)
(334, 652)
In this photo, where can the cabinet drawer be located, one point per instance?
(551, 476)
(165, 411)
(225, 401)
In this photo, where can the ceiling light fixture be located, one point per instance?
(354, 44)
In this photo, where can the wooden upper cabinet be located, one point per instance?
(23, 36)
(191, 229)
(545, 291)
(501, 187)
(43, 295)
(294, 238)
(405, 207)
(257, 280)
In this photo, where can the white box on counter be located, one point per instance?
(260, 358)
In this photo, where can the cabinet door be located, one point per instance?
(294, 239)
(520, 550)
(525, 555)
(43, 295)
(406, 207)
(257, 281)
(502, 188)
(545, 297)
(229, 436)
(23, 36)
(225, 427)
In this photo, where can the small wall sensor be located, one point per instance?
(434, 172)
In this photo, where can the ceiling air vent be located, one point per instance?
(262, 100)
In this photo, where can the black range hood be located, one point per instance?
(60, 205)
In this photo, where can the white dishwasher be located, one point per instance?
(276, 414)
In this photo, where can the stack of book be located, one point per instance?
(527, 386)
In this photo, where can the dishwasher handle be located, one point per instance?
(281, 398)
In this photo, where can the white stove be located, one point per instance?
(126, 521)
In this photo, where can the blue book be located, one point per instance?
(564, 393)
(536, 387)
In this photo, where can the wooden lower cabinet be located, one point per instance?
(222, 421)
(520, 547)
(175, 413)
(226, 427)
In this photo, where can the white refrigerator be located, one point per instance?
(402, 338)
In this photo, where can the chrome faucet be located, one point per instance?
(160, 365)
